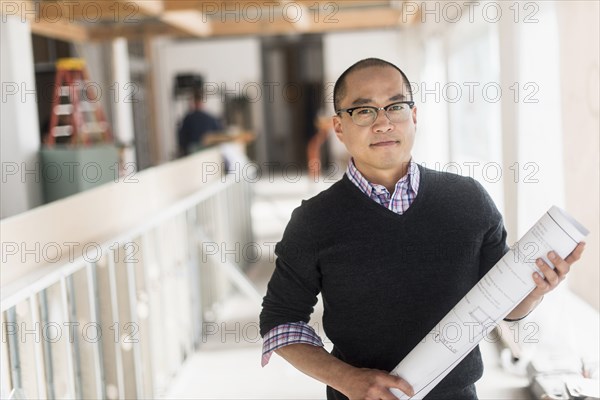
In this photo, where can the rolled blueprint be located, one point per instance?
(488, 302)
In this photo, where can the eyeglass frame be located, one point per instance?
(350, 110)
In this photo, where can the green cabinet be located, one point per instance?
(67, 170)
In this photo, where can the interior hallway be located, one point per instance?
(209, 374)
(227, 366)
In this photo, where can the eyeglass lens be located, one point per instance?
(364, 116)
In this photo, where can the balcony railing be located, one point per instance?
(117, 318)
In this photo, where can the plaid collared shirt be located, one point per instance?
(405, 190)
(404, 194)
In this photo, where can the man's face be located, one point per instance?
(383, 147)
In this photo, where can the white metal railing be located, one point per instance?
(121, 324)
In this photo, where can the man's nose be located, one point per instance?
(382, 122)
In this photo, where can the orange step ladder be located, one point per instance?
(76, 111)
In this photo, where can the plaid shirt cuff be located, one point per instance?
(284, 334)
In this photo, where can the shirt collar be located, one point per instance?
(356, 177)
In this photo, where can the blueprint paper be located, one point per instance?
(488, 302)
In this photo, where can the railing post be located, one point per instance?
(97, 350)
(68, 347)
(4, 360)
(131, 288)
(112, 283)
(39, 348)
(194, 269)
(43, 302)
(72, 306)
(13, 349)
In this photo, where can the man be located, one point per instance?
(196, 124)
(392, 247)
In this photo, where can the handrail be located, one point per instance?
(33, 282)
(105, 211)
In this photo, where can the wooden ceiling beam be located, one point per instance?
(61, 29)
(177, 5)
(229, 5)
(56, 27)
(188, 21)
(344, 20)
(149, 7)
(93, 11)
(101, 33)
(359, 19)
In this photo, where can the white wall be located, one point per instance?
(408, 50)
(98, 61)
(19, 127)
(341, 50)
(229, 63)
(579, 40)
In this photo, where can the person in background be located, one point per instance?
(196, 124)
(337, 154)
(391, 247)
(313, 149)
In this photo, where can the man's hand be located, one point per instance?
(552, 277)
(372, 384)
(355, 383)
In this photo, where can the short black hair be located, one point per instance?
(339, 90)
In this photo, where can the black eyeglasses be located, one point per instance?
(366, 115)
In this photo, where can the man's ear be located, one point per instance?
(414, 115)
(337, 127)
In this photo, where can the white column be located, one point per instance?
(19, 127)
(541, 172)
(509, 73)
(163, 103)
(124, 90)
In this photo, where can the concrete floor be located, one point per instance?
(228, 363)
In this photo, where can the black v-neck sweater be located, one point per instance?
(386, 279)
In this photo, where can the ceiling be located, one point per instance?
(93, 20)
